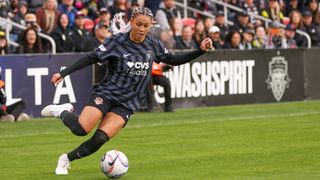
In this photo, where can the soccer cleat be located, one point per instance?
(63, 165)
(55, 110)
(23, 117)
(7, 118)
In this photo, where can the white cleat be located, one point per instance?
(7, 118)
(55, 110)
(63, 165)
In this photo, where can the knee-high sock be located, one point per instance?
(90, 146)
(71, 120)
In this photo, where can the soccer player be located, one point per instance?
(119, 95)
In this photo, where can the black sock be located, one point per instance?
(90, 146)
(71, 120)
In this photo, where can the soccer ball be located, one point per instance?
(114, 164)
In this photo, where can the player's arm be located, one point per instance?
(183, 58)
(90, 58)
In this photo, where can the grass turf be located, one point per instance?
(266, 141)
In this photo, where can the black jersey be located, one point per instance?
(129, 68)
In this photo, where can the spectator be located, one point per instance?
(80, 35)
(30, 42)
(34, 5)
(165, 36)
(153, 5)
(159, 79)
(47, 16)
(208, 23)
(68, 8)
(19, 18)
(62, 35)
(273, 12)
(290, 32)
(134, 4)
(13, 112)
(214, 35)
(296, 21)
(101, 32)
(261, 40)
(104, 15)
(167, 10)
(14, 6)
(4, 47)
(200, 5)
(313, 6)
(211, 7)
(4, 8)
(311, 28)
(221, 24)
(292, 5)
(186, 41)
(284, 38)
(231, 12)
(176, 27)
(30, 19)
(233, 40)
(120, 6)
(250, 7)
(92, 7)
(242, 23)
(199, 32)
(262, 4)
(247, 39)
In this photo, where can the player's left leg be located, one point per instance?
(110, 125)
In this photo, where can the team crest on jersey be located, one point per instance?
(149, 54)
(278, 79)
(98, 100)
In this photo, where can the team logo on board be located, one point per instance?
(278, 79)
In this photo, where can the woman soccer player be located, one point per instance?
(119, 95)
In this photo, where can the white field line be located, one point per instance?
(225, 119)
(176, 123)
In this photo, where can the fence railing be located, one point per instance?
(237, 9)
(10, 23)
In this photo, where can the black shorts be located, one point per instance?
(106, 106)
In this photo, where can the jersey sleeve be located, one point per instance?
(163, 55)
(161, 51)
(105, 49)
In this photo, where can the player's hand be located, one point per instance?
(206, 44)
(56, 79)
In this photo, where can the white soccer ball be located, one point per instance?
(114, 164)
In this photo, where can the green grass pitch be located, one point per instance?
(266, 141)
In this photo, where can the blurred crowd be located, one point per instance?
(81, 25)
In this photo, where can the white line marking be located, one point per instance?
(174, 123)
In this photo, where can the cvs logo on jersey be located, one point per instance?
(138, 68)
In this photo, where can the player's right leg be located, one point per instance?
(88, 119)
